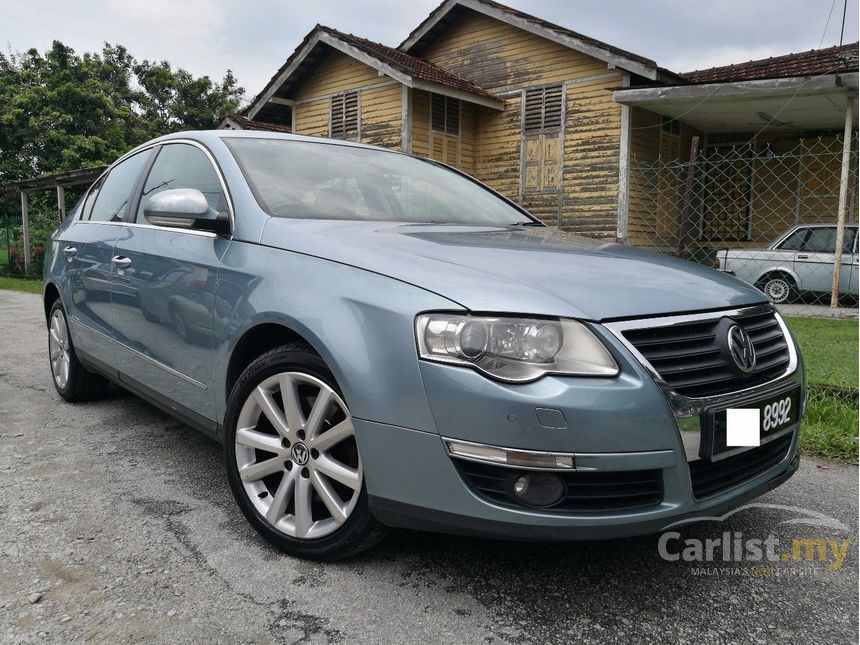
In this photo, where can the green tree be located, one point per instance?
(60, 110)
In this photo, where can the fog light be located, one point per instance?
(538, 489)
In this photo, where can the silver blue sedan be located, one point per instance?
(381, 341)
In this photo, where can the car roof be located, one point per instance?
(208, 135)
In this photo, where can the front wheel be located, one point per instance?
(292, 459)
(779, 288)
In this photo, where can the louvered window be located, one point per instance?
(445, 114)
(543, 109)
(344, 116)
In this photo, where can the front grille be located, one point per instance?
(710, 478)
(693, 357)
(585, 491)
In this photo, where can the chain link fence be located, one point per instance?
(763, 210)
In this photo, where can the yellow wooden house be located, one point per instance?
(526, 106)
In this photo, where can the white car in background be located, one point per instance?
(799, 261)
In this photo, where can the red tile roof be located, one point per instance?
(245, 123)
(815, 62)
(417, 68)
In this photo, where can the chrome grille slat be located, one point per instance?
(693, 360)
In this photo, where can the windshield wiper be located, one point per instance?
(528, 223)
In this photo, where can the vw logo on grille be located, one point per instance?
(741, 349)
(300, 454)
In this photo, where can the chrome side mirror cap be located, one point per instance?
(183, 208)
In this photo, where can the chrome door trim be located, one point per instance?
(159, 364)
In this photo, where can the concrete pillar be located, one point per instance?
(843, 200)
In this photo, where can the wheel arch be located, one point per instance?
(257, 339)
(49, 296)
(776, 269)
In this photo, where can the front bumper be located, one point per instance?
(622, 426)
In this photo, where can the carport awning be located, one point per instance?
(807, 103)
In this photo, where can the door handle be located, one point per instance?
(70, 251)
(802, 257)
(121, 262)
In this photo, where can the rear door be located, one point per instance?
(165, 332)
(87, 247)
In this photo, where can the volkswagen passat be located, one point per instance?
(380, 341)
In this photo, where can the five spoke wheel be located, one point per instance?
(296, 455)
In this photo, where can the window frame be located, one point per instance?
(145, 173)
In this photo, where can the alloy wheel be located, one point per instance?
(296, 455)
(58, 348)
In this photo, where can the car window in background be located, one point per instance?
(180, 165)
(848, 238)
(113, 196)
(794, 242)
(820, 240)
(301, 179)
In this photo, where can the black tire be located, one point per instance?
(361, 530)
(82, 385)
(779, 287)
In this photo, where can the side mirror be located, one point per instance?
(184, 208)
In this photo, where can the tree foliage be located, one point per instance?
(60, 110)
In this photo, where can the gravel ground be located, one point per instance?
(116, 524)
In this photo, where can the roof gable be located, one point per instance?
(401, 66)
(449, 10)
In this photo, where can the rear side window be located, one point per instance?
(179, 165)
(820, 240)
(112, 195)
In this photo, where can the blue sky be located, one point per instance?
(254, 38)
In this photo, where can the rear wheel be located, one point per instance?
(72, 381)
(779, 288)
(292, 460)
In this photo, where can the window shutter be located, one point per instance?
(452, 116)
(552, 107)
(534, 109)
(437, 108)
(445, 114)
(543, 109)
(344, 115)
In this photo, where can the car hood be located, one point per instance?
(529, 270)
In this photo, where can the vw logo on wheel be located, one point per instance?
(742, 349)
(300, 454)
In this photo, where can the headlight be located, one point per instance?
(513, 349)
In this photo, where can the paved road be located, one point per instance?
(121, 518)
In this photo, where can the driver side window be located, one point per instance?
(794, 242)
(180, 165)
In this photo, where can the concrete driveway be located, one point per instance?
(116, 524)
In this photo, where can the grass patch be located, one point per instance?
(29, 285)
(829, 349)
(829, 430)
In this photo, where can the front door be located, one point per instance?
(164, 292)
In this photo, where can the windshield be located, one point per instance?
(323, 181)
